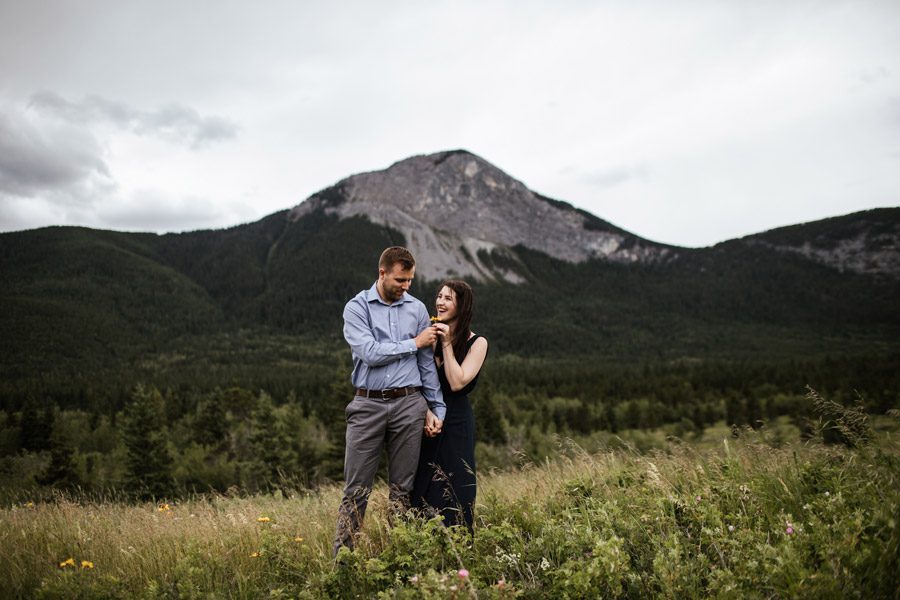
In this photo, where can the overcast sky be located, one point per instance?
(683, 122)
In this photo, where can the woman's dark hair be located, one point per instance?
(465, 302)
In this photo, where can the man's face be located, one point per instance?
(395, 281)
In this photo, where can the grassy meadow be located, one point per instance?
(746, 514)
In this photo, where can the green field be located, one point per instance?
(734, 514)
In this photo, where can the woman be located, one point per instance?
(445, 480)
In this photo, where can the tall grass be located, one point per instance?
(731, 517)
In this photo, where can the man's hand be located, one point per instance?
(433, 425)
(426, 338)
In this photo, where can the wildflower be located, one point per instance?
(263, 520)
(827, 494)
(435, 319)
(501, 583)
(86, 564)
(298, 539)
(414, 579)
(255, 554)
(731, 528)
(164, 508)
(463, 573)
(69, 562)
(789, 530)
(699, 498)
(29, 505)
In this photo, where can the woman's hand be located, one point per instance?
(443, 332)
(432, 425)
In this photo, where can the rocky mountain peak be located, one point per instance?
(456, 211)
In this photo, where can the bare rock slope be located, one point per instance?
(458, 213)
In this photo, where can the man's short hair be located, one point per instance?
(394, 255)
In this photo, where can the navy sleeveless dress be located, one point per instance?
(445, 479)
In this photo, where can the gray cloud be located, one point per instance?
(173, 122)
(35, 158)
(607, 178)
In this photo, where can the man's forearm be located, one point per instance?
(379, 354)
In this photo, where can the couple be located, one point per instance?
(412, 379)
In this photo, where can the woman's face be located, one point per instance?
(445, 304)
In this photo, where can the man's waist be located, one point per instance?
(389, 393)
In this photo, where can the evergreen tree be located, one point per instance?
(306, 442)
(148, 464)
(62, 472)
(268, 444)
(491, 429)
(210, 424)
(612, 421)
(36, 425)
(754, 414)
(332, 413)
(735, 409)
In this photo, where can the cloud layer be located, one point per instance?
(174, 123)
(687, 123)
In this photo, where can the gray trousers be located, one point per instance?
(373, 423)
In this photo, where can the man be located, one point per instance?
(391, 337)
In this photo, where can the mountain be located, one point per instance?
(83, 308)
(866, 242)
(454, 209)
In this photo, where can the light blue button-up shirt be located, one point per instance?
(382, 339)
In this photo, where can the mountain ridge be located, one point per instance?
(452, 207)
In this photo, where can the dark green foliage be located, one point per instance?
(491, 428)
(62, 472)
(148, 463)
(268, 444)
(36, 425)
(210, 424)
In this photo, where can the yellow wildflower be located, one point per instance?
(164, 508)
(29, 505)
(69, 562)
(256, 555)
(298, 539)
(435, 319)
(86, 564)
(263, 520)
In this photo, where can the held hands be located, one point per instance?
(433, 425)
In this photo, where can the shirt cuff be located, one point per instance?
(410, 346)
(439, 411)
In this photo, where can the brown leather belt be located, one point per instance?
(387, 394)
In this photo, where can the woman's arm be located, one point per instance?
(459, 375)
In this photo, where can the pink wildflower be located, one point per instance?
(789, 530)
(463, 573)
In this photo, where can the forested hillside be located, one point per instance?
(235, 337)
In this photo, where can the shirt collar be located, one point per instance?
(373, 296)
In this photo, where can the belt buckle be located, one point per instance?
(384, 395)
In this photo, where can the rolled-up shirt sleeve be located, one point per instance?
(363, 343)
(431, 385)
